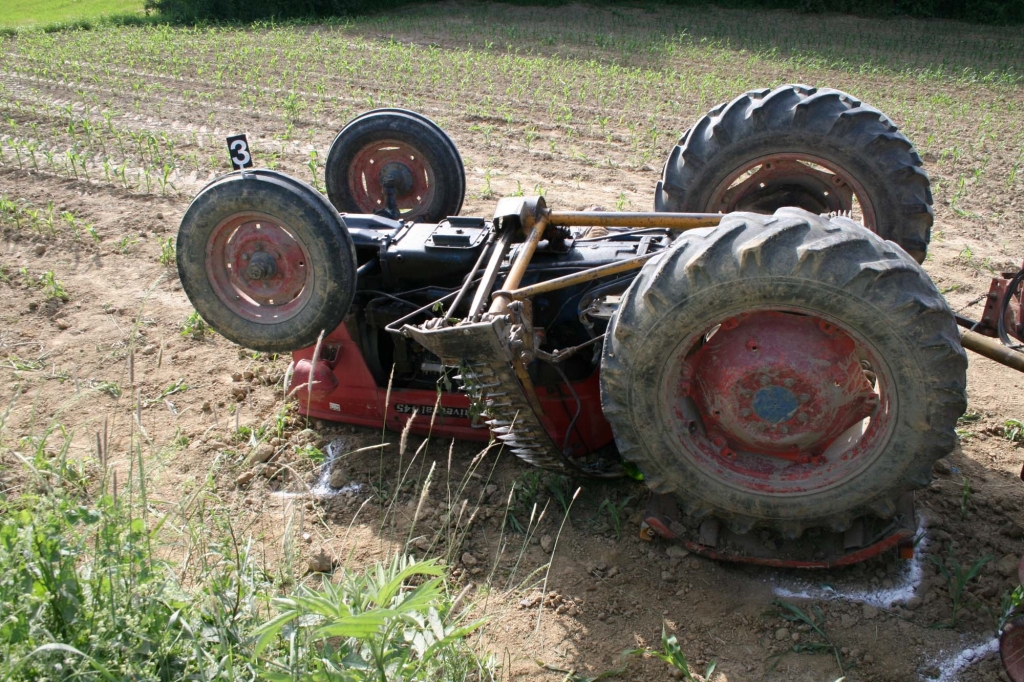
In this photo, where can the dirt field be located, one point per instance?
(106, 135)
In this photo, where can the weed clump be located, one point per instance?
(87, 595)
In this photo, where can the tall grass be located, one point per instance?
(88, 591)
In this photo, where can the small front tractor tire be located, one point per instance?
(422, 160)
(266, 260)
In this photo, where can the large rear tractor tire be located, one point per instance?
(787, 372)
(817, 149)
(266, 260)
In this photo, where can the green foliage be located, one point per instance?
(194, 326)
(371, 626)
(524, 500)
(1008, 606)
(49, 12)
(312, 452)
(673, 654)
(615, 511)
(815, 619)
(957, 577)
(250, 10)
(1013, 430)
(52, 287)
(108, 387)
(168, 254)
(980, 11)
(87, 595)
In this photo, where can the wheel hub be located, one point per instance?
(398, 176)
(261, 266)
(396, 165)
(768, 183)
(257, 268)
(777, 384)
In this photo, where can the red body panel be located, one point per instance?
(344, 390)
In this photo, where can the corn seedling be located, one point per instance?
(311, 452)
(52, 287)
(1008, 605)
(815, 620)
(957, 577)
(108, 387)
(672, 654)
(615, 512)
(1013, 430)
(194, 327)
(167, 251)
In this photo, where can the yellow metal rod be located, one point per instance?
(577, 278)
(671, 221)
(992, 349)
(518, 269)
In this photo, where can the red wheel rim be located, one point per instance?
(413, 175)
(779, 401)
(1011, 648)
(258, 268)
(793, 179)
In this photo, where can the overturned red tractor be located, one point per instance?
(764, 347)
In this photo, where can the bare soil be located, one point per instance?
(114, 352)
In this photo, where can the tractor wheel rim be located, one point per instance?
(773, 181)
(1011, 648)
(258, 268)
(414, 174)
(779, 401)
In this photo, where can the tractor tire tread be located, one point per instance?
(920, 340)
(822, 122)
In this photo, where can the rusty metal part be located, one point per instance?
(866, 538)
(258, 269)
(767, 183)
(522, 260)
(576, 278)
(1011, 648)
(992, 349)
(495, 387)
(395, 170)
(560, 354)
(671, 221)
(996, 304)
(780, 400)
(483, 290)
(471, 276)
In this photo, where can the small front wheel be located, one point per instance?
(398, 152)
(266, 261)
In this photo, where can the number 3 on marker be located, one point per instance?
(238, 150)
